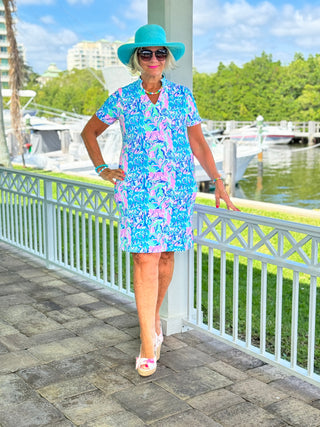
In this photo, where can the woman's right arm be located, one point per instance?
(90, 133)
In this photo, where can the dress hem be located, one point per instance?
(157, 251)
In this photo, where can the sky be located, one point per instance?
(223, 31)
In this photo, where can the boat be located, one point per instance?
(244, 154)
(269, 135)
(40, 136)
(59, 147)
(208, 131)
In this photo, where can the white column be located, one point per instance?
(175, 305)
(175, 16)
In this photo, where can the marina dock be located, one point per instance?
(304, 132)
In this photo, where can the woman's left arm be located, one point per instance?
(203, 153)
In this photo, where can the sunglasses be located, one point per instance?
(146, 54)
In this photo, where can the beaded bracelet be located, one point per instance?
(216, 179)
(102, 169)
(100, 166)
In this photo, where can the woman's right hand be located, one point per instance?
(112, 175)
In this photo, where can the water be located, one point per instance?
(290, 176)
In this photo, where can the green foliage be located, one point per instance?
(261, 86)
(29, 77)
(75, 91)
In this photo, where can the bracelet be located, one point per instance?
(102, 169)
(100, 166)
(216, 179)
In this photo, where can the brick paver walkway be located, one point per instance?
(67, 354)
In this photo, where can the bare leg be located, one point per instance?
(166, 265)
(145, 278)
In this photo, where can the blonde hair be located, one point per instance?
(135, 67)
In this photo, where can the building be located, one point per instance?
(4, 54)
(51, 73)
(4, 50)
(96, 55)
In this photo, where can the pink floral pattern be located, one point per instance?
(156, 199)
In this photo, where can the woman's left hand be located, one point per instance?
(220, 193)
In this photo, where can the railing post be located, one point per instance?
(49, 224)
(175, 305)
(230, 165)
(311, 132)
(283, 124)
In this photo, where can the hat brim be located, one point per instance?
(126, 50)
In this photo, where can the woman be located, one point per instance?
(155, 187)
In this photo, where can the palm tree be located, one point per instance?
(15, 74)
(4, 152)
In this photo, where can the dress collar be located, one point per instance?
(163, 82)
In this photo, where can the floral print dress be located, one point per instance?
(156, 198)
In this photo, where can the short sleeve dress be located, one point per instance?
(156, 198)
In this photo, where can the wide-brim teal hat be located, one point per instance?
(149, 35)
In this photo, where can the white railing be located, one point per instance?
(255, 286)
(70, 224)
(252, 281)
(311, 127)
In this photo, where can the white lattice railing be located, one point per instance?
(252, 280)
(70, 224)
(255, 285)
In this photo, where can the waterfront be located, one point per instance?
(290, 176)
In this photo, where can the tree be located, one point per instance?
(309, 103)
(261, 86)
(15, 74)
(75, 91)
(30, 78)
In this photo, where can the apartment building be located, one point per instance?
(96, 55)
(4, 50)
(4, 54)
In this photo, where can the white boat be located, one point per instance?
(244, 154)
(270, 135)
(72, 157)
(39, 134)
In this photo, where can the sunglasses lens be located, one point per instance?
(161, 54)
(146, 54)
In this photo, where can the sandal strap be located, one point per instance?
(144, 361)
(159, 338)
